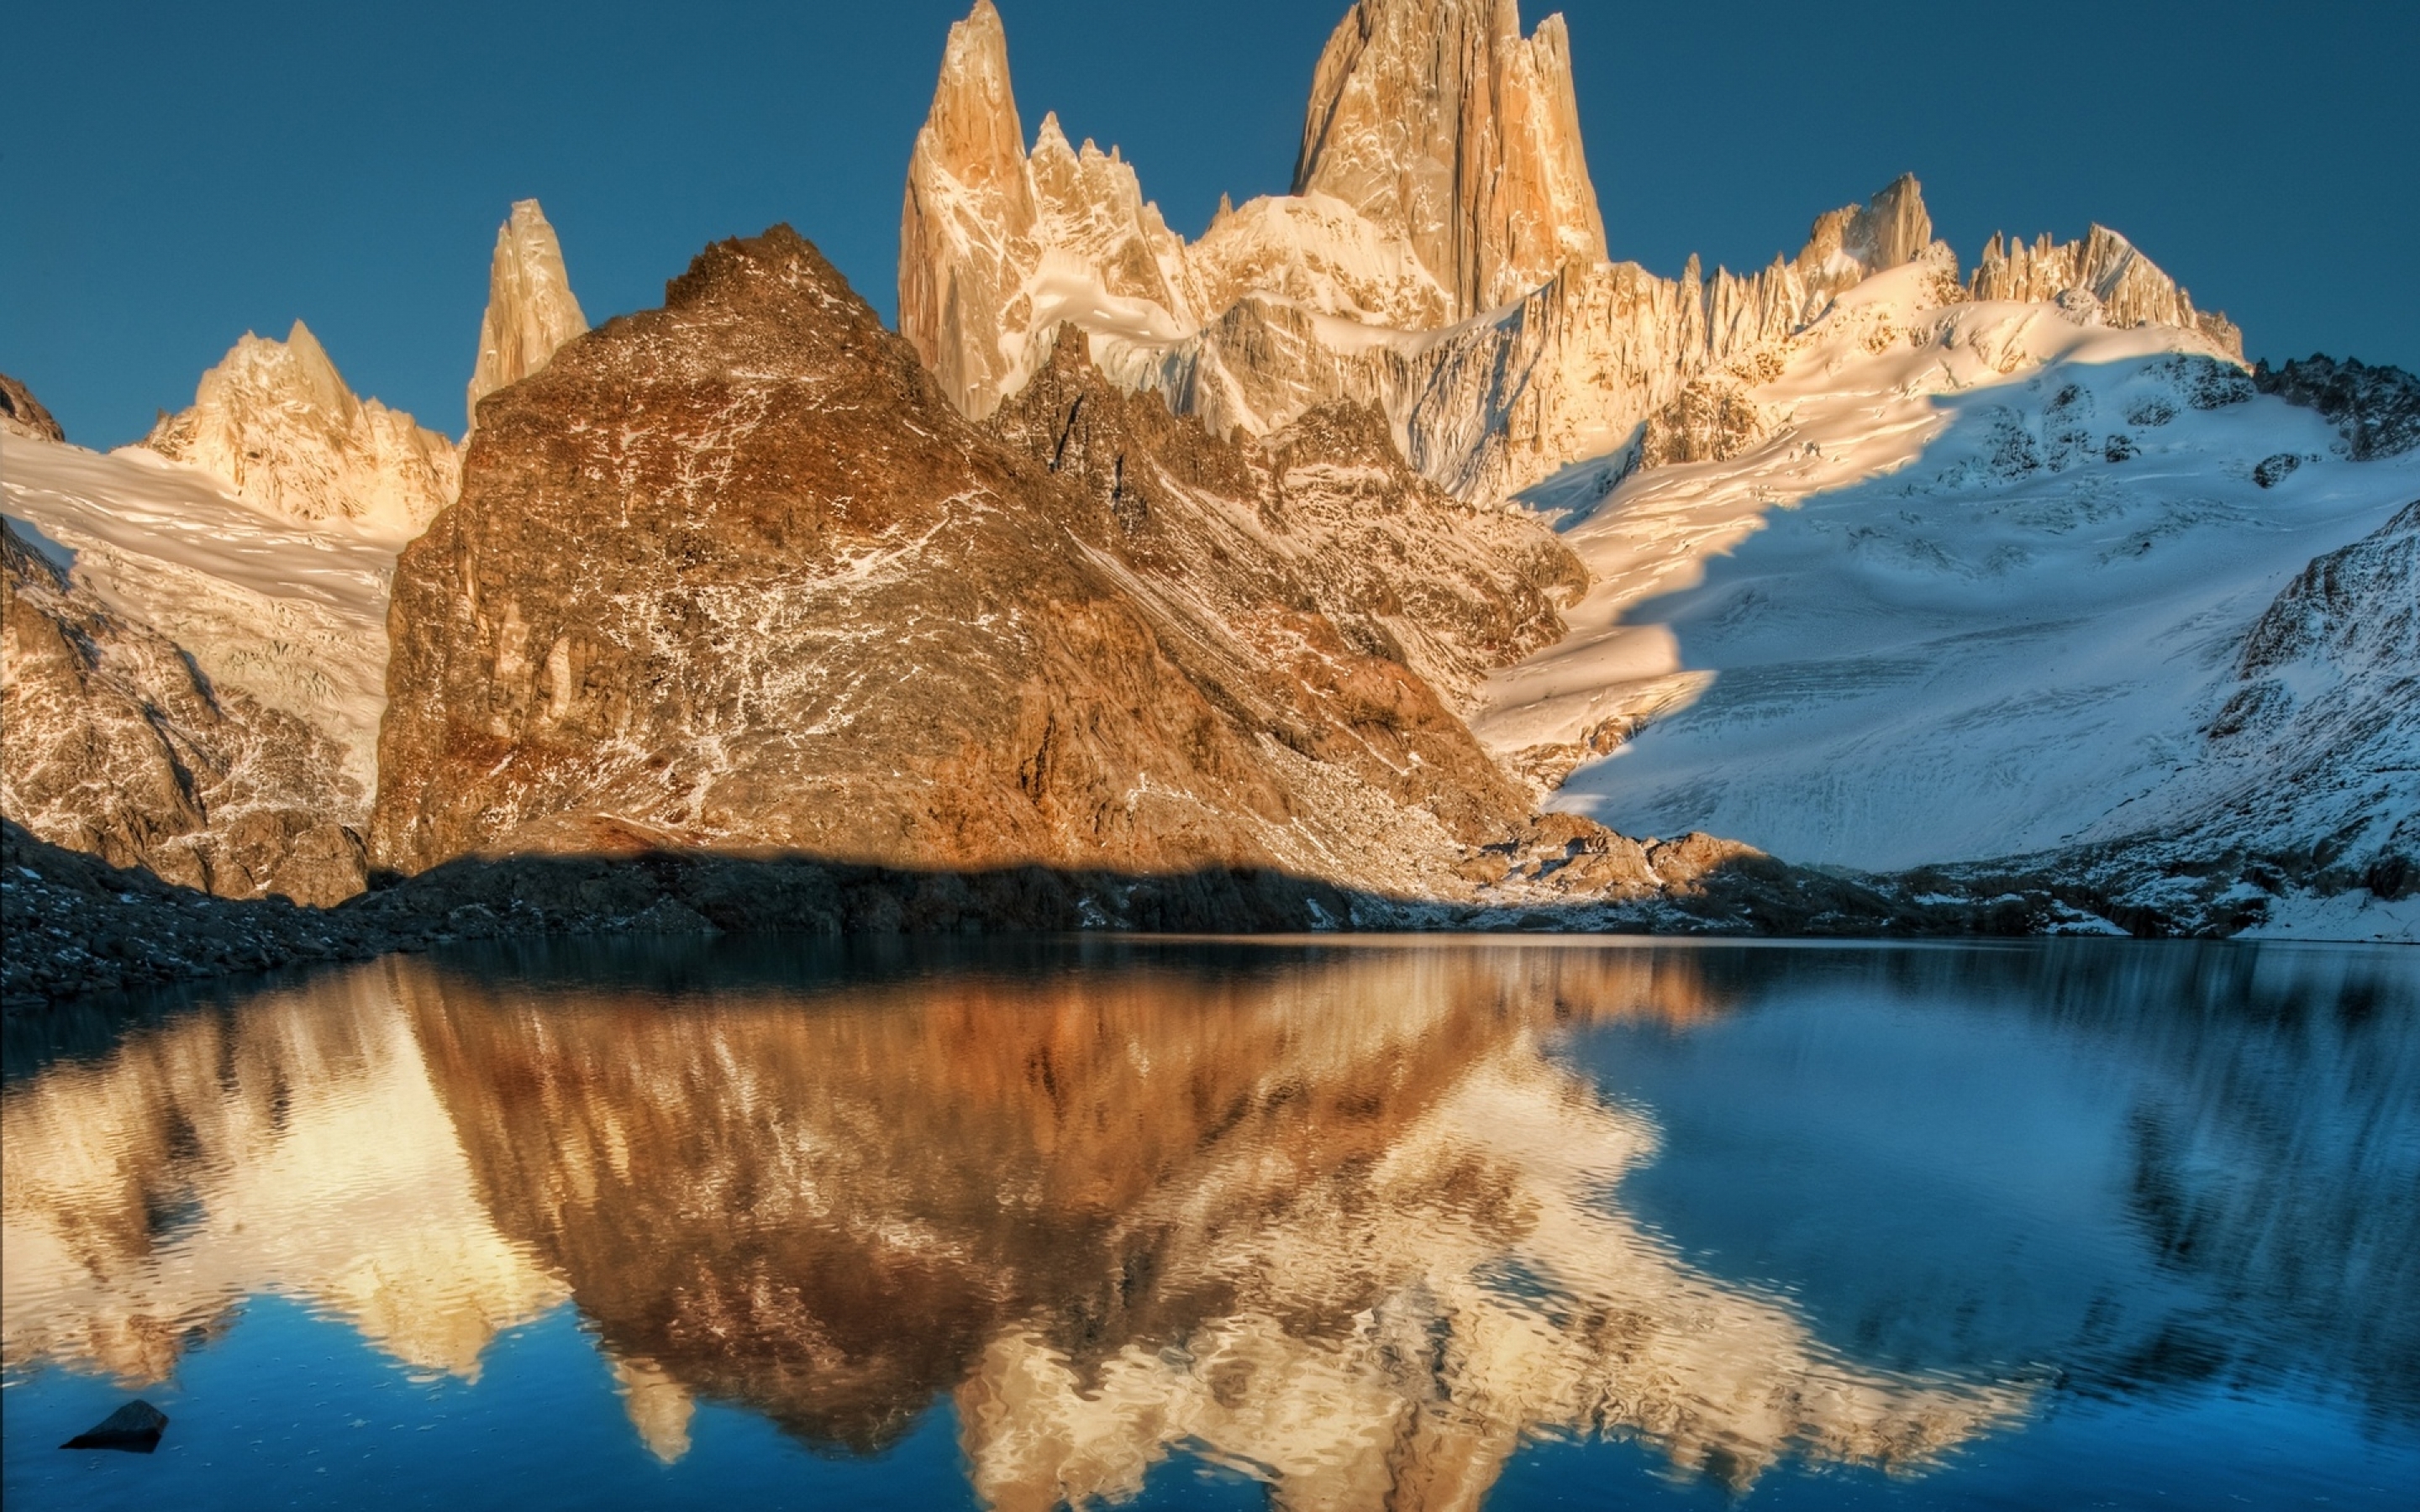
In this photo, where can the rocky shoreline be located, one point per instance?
(77, 927)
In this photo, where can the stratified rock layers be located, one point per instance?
(808, 607)
(531, 310)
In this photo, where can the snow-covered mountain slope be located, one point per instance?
(118, 746)
(257, 532)
(1983, 589)
(290, 614)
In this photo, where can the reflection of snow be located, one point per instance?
(295, 1150)
(1518, 1301)
(1377, 1229)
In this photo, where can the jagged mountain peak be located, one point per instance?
(275, 422)
(21, 414)
(973, 131)
(2103, 279)
(1074, 631)
(1888, 231)
(779, 277)
(531, 309)
(1437, 118)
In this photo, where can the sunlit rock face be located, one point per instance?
(1267, 1219)
(2102, 278)
(1440, 121)
(531, 310)
(276, 422)
(1442, 257)
(292, 1150)
(812, 607)
(22, 415)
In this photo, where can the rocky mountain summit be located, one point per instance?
(531, 308)
(22, 415)
(275, 420)
(1444, 126)
(1389, 555)
(1442, 257)
(812, 607)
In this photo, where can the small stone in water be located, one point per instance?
(135, 1428)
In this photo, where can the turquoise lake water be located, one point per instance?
(1305, 1223)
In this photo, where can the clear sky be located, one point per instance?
(173, 175)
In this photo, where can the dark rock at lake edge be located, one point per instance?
(77, 927)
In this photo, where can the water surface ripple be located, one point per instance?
(1406, 1225)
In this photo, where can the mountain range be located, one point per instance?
(1389, 542)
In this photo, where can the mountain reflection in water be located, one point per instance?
(1352, 1220)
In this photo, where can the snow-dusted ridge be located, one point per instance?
(1987, 589)
(1895, 564)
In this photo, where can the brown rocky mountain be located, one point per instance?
(736, 574)
(21, 414)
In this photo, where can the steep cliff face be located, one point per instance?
(966, 230)
(276, 422)
(120, 747)
(1439, 122)
(812, 607)
(531, 310)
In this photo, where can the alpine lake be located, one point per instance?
(1309, 1223)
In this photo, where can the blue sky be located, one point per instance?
(175, 174)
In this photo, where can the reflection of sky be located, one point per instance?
(1954, 1169)
(1936, 1189)
(2138, 1195)
(289, 1410)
